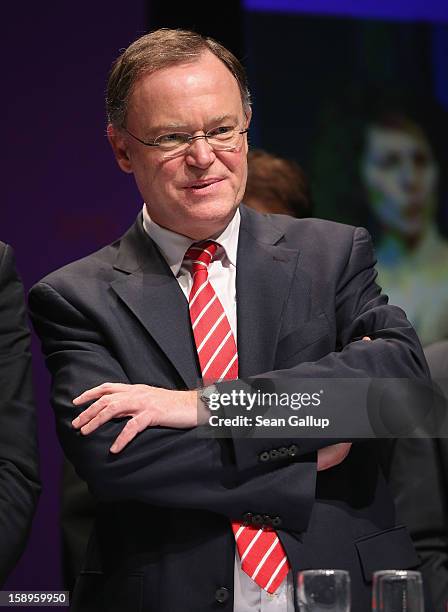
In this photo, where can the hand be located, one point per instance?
(151, 407)
(333, 455)
(147, 406)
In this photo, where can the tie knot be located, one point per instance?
(201, 254)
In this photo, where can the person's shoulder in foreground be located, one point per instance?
(19, 477)
(417, 472)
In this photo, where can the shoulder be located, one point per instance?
(87, 279)
(93, 265)
(12, 302)
(7, 262)
(94, 268)
(308, 233)
(75, 285)
(6, 255)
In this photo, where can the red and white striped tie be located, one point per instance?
(261, 553)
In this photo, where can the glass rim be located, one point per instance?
(324, 572)
(222, 145)
(234, 131)
(397, 574)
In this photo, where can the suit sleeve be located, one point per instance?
(19, 479)
(161, 466)
(416, 470)
(361, 310)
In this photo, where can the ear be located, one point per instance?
(119, 145)
(248, 114)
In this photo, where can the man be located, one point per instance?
(278, 296)
(19, 478)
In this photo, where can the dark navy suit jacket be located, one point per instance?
(162, 541)
(19, 474)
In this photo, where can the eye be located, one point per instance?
(223, 132)
(390, 161)
(421, 159)
(172, 140)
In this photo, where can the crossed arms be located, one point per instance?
(170, 466)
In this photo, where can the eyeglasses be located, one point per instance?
(222, 138)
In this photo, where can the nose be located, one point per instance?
(200, 153)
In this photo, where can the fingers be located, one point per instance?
(105, 410)
(115, 400)
(148, 407)
(333, 455)
(98, 413)
(367, 339)
(97, 392)
(133, 427)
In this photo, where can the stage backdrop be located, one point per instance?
(358, 95)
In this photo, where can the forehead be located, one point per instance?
(384, 140)
(183, 94)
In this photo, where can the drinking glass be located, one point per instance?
(323, 590)
(397, 591)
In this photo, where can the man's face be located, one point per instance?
(400, 174)
(195, 193)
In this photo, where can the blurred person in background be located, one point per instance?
(379, 160)
(277, 185)
(401, 176)
(19, 475)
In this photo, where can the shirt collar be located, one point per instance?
(173, 246)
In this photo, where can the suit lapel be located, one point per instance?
(151, 292)
(265, 271)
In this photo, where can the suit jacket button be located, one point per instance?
(293, 450)
(248, 518)
(283, 451)
(274, 454)
(257, 521)
(267, 520)
(264, 456)
(276, 521)
(222, 595)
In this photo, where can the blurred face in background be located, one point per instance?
(400, 173)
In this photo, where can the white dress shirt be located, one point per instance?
(248, 596)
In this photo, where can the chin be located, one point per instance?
(212, 211)
(210, 222)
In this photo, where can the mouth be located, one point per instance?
(203, 184)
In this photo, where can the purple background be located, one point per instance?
(408, 10)
(65, 196)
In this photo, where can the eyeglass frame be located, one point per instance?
(191, 138)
